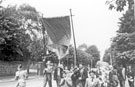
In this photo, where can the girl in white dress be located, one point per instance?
(20, 76)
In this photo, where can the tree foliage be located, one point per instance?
(123, 44)
(18, 33)
(82, 57)
(9, 30)
(107, 55)
(120, 5)
(93, 50)
(83, 47)
(110, 56)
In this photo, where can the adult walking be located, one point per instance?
(121, 75)
(58, 74)
(47, 74)
(66, 80)
(82, 76)
(113, 79)
(75, 76)
(130, 76)
(92, 81)
(20, 76)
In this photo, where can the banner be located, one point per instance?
(58, 29)
(59, 34)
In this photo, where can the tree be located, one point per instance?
(110, 56)
(31, 23)
(107, 55)
(119, 5)
(93, 50)
(123, 43)
(20, 35)
(9, 30)
(82, 57)
(83, 47)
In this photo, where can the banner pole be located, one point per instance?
(134, 10)
(75, 52)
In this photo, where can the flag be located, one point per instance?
(60, 50)
(59, 34)
(58, 29)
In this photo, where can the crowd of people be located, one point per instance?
(84, 76)
(81, 76)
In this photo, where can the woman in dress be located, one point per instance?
(20, 76)
(66, 80)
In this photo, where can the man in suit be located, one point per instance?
(113, 79)
(130, 76)
(75, 76)
(121, 75)
(58, 74)
(92, 81)
(83, 75)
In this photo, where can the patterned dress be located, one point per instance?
(21, 76)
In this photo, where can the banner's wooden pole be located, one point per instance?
(134, 11)
(75, 51)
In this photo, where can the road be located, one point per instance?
(36, 82)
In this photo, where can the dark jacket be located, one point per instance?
(84, 75)
(77, 74)
(120, 75)
(56, 73)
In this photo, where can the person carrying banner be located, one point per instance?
(82, 76)
(75, 76)
(58, 74)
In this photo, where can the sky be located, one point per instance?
(94, 23)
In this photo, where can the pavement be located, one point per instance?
(4, 79)
(32, 81)
(32, 75)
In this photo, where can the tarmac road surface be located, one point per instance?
(36, 82)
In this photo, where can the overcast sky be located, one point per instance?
(94, 24)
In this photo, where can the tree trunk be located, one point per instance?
(28, 66)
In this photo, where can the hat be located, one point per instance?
(49, 63)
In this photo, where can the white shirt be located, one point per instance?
(91, 83)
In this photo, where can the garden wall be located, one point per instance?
(8, 68)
